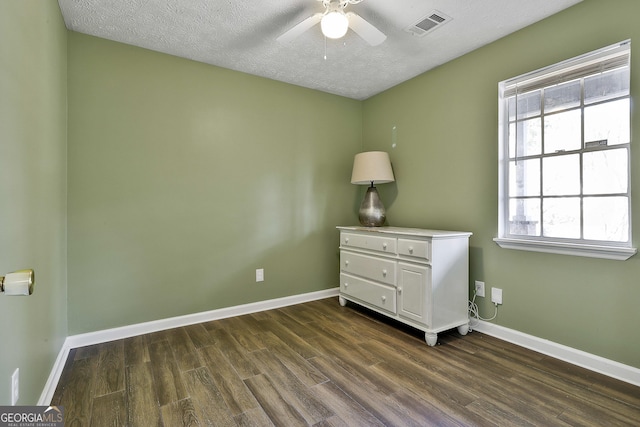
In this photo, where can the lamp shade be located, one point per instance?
(334, 24)
(372, 166)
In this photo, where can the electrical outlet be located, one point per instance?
(479, 288)
(15, 387)
(496, 296)
(260, 275)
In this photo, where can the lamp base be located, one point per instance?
(372, 213)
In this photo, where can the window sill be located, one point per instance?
(593, 251)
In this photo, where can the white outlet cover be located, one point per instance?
(496, 295)
(479, 288)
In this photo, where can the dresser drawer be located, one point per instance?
(378, 269)
(415, 248)
(376, 294)
(372, 243)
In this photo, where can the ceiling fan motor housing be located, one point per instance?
(335, 23)
(338, 4)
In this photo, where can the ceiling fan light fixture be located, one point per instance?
(334, 24)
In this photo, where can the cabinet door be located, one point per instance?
(414, 292)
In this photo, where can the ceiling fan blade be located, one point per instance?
(365, 30)
(300, 28)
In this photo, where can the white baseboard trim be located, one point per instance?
(106, 335)
(54, 376)
(571, 355)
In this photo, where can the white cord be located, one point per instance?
(474, 313)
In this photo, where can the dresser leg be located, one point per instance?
(342, 301)
(431, 338)
(463, 329)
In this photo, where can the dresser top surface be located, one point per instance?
(406, 231)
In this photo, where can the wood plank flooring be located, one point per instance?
(319, 364)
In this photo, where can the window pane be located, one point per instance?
(562, 132)
(524, 178)
(611, 84)
(605, 172)
(561, 217)
(561, 175)
(561, 97)
(528, 105)
(608, 121)
(606, 218)
(529, 138)
(524, 217)
(511, 108)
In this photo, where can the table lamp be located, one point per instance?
(372, 167)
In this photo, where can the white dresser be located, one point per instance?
(418, 277)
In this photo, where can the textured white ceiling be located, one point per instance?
(241, 35)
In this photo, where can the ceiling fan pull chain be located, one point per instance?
(325, 48)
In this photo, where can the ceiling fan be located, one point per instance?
(334, 23)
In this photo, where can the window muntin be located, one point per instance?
(566, 158)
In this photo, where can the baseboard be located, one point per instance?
(571, 355)
(54, 376)
(106, 335)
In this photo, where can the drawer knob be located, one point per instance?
(346, 285)
(346, 240)
(384, 298)
(384, 273)
(346, 262)
(410, 249)
(384, 246)
(399, 290)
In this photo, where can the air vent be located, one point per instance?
(428, 23)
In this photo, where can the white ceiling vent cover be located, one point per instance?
(428, 23)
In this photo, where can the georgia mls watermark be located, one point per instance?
(31, 416)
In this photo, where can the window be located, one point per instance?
(564, 157)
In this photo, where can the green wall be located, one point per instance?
(185, 178)
(446, 165)
(33, 120)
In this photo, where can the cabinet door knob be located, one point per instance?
(399, 290)
(346, 262)
(346, 285)
(384, 246)
(346, 240)
(410, 249)
(384, 273)
(384, 298)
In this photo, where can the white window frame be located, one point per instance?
(565, 71)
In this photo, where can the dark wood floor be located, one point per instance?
(324, 365)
